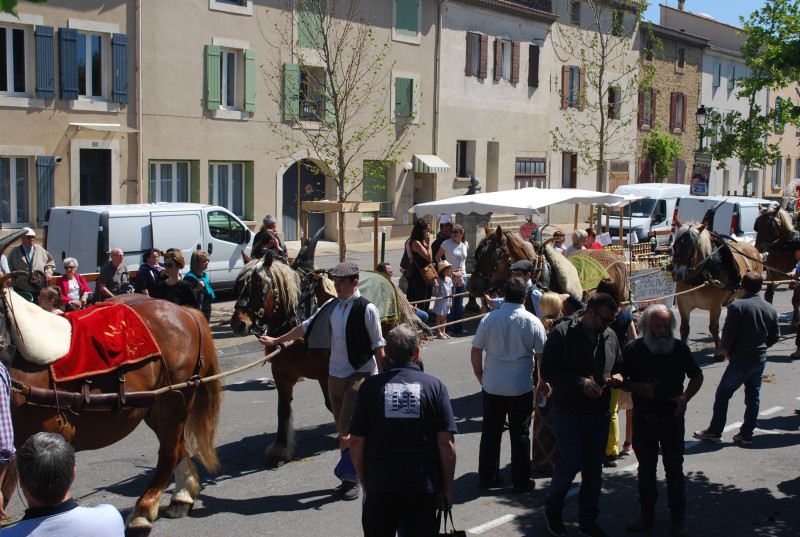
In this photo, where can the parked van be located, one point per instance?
(735, 217)
(89, 232)
(649, 217)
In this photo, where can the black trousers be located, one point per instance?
(382, 512)
(650, 432)
(519, 409)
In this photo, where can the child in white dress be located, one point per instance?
(444, 295)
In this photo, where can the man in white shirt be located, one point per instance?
(350, 327)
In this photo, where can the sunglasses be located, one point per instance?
(605, 320)
(169, 265)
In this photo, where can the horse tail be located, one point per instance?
(201, 424)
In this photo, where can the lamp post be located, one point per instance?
(702, 121)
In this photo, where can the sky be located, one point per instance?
(727, 11)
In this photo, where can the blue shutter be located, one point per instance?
(45, 187)
(119, 67)
(68, 63)
(45, 68)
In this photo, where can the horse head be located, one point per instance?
(268, 293)
(494, 256)
(771, 226)
(691, 248)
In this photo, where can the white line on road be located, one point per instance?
(492, 524)
(458, 340)
(769, 411)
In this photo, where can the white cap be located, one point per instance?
(29, 232)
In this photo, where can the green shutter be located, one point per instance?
(194, 181)
(249, 190)
(249, 80)
(402, 97)
(413, 92)
(151, 191)
(407, 17)
(213, 78)
(210, 184)
(291, 91)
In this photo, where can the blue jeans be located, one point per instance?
(736, 374)
(581, 443)
(457, 310)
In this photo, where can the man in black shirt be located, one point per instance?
(654, 368)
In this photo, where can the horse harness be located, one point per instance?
(709, 269)
(84, 400)
(498, 254)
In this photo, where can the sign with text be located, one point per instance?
(651, 284)
(701, 174)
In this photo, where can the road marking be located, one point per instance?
(492, 524)
(769, 411)
(458, 340)
(765, 431)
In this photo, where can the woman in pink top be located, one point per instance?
(75, 293)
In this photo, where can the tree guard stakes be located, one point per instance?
(345, 207)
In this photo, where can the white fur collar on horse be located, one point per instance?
(40, 337)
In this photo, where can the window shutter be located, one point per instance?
(413, 92)
(45, 193)
(533, 66)
(329, 104)
(213, 78)
(717, 73)
(119, 67)
(673, 102)
(68, 63)
(498, 59)
(249, 190)
(731, 76)
(683, 112)
(582, 88)
(194, 181)
(407, 17)
(515, 62)
(468, 66)
(402, 102)
(151, 191)
(640, 118)
(564, 86)
(45, 67)
(291, 91)
(644, 171)
(250, 80)
(653, 94)
(483, 67)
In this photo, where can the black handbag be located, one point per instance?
(441, 523)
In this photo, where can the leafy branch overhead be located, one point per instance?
(661, 149)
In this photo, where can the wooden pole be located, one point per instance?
(608, 220)
(621, 231)
(375, 216)
(305, 227)
(576, 217)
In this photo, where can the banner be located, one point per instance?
(649, 284)
(701, 174)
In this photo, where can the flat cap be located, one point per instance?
(345, 269)
(523, 264)
(29, 232)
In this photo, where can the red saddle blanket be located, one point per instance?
(104, 337)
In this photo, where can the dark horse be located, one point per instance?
(98, 414)
(776, 236)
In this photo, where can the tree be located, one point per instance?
(661, 149)
(598, 117)
(10, 6)
(334, 98)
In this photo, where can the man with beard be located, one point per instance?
(654, 367)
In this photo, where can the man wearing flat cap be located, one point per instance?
(267, 239)
(523, 269)
(350, 327)
(30, 258)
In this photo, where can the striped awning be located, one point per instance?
(430, 164)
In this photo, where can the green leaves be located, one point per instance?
(661, 149)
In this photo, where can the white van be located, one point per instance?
(650, 217)
(89, 232)
(735, 217)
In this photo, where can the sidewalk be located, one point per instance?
(327, 253)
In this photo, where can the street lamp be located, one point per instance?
(702, 121)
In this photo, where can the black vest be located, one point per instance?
(359, 344)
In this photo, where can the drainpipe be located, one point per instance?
(436, 78)
(139, 145)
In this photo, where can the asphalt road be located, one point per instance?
(732, 490)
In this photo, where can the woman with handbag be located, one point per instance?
(455, 250)
(421, 273)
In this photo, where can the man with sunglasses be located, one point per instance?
(350, 327)
(580, 357)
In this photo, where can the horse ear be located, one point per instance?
(499, 231)
(701, 227)
(486, 229)
(246, 258)
(268, 259)
(678, 223)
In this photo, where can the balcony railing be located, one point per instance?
(387, 211)
(312, 110)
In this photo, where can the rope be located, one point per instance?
(448, 297)
(692, 290)
(662, 269)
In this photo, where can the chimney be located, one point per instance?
(681, 4)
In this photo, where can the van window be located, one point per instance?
(642, 208)
(225, 228)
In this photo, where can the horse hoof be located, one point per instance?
(274, 461)
(178, 510)
(139, 527)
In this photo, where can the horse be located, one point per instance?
(710, 268)
(776, 236)
(95, 413)
(495, 254)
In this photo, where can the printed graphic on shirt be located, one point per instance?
(402, 400)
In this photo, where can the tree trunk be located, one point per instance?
(342, 244)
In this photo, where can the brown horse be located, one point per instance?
(178, 417)
(716, 264)
(776, 236)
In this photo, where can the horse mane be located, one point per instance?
(287, 283)
(785, 221)
(700, 240)
(519, 247)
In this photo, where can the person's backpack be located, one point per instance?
(405, 262)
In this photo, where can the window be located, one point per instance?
(224, 228)
(169, 181)
(406, 20)
(572, 86)
(647, 108)
(618, 23)
(533, 66)
(569, 170)
(777, 175)
(240, 7)
(530, 172)
(477, 55)
(92, 60)
(465, 158)
(716, 74)
(614, 102)
(14, 190)
(680, 59)
(405, 97)
(13, 61)
(375, 187)
(778, 125)
(226, 185)
(575, 13)
(305, 96)
(506, 60)
(677, 113)
(19, 60)
(310, 16)
(230, 79)
(648, 48)
(788, 168)
(731, 76)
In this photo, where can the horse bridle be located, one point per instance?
(498, 255)
(775, 225)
